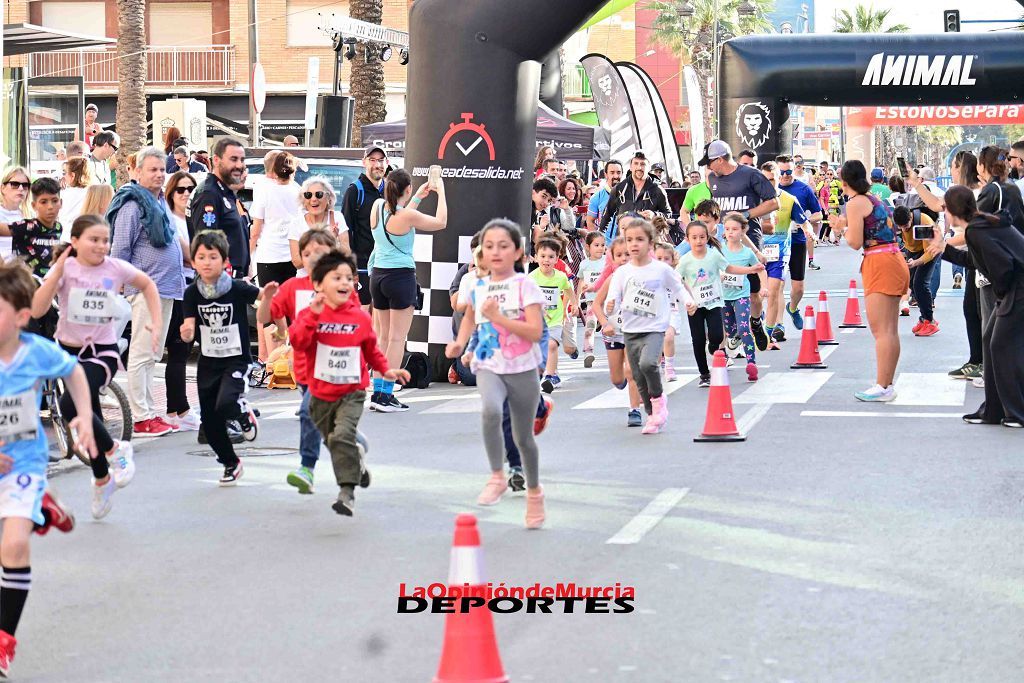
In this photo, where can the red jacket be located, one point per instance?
(283, 306)
(338, 331)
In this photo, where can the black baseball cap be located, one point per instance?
(370, 149)
(658, 167)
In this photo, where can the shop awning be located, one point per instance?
(22, 39)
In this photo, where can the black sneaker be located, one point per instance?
(976, 418)
(760, 338)
(705, 381)
(250, 427)
(374, 401)
(364, 479)
(1010, 422)
(396, 404)
(232, 473)
(346, 503)
(547, 385)
(779, 334)
(383, 404)
(813, 266)
(516, 480)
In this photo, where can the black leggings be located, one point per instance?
(972, 316)
(274, 272)
(823, 233)
(98, 372)
(177, 355)
(712, 319)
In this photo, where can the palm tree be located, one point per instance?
(866, 20)
(366, 82)
(692, 38)
(131, 82)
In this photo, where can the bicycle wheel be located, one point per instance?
(61, 431)
(117, 414)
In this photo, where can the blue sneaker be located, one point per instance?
(555, 379)
(798, 320)
(575, 354)
(635, 419)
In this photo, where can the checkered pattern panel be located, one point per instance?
(432, 326)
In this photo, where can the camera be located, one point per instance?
(924, 233)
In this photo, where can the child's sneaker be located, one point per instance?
(364, 479)
(705, 381)
(7, 645)
(189, 423)
(540, 422)
(659, 415)
(534, 510)
(232, 473)
(250, 426)
(634, 419)
(122, 463)
(575, 354)
(494, 489)
(302, 479)
(652, 427)
(516, 480)
(670, 373)
(751, 372)
(57, 515)
(346, 503)
(588, 360)
(101, 498)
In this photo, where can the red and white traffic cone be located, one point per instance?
(470, 650)
(823, 323)
(852, 317)
(809, 358)
(720, 423)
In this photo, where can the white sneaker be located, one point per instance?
(189, 423)
(978, 382)
(877, 394)
(101, 498)
(122, 463)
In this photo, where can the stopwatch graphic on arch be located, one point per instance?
(474, 134)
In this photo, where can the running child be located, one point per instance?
(702, 270)
(336, 336)
(291, 299)
(506, 311)
(560, 304)
(736, 289)
(86, 283)
(28, 361)
(589, 273)
(666, 253)
(221, 304)
(643, 288)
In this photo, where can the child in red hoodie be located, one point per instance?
(337, 338)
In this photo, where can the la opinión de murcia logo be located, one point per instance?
(467, 125)
(940, 70)
(475, 135)
(563, 598)
(753, 123)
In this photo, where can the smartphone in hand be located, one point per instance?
(901, 164)
(924, 233)
(434, 176)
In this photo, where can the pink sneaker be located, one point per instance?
(493, 490)
(652, 427)
(534, 509)
(660, 407)
(751, 372)
(670, 372)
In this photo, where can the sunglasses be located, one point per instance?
(113, 146)
(789, 172)
(310, 195)
(1014, 156)
(182, 189)
(16, 184)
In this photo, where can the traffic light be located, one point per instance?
(951, 20)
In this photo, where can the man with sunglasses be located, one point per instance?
(801, 253)
(355, 207)
(104, 146)
(1017, 163)
(798, 168)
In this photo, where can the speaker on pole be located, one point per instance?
(333, 121)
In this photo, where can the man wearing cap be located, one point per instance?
(879, 186)
(638, 193)
(105, 145)
(658, 173)
(355, 207)
(745, 190)
(214, 205)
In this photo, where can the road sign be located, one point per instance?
(258, 88)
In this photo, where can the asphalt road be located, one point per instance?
(841, 542)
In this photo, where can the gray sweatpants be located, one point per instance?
(643, 349)
(523, 393)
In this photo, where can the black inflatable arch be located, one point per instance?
(760, 76)
(474, 81)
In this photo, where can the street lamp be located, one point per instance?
(685, 10)
(746, 9)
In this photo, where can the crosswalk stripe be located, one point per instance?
(614, 398)
(872, 413)
(929, 389)
(785, 387)
(648, 518)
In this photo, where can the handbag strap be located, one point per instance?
(388, 234)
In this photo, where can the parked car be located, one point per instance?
(340, 166)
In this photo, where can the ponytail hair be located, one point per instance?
(993, 159)
(394, 187)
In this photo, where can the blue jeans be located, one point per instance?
(309, 435)
(936, 279)
(921, 280)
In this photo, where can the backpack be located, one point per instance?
(415, 362)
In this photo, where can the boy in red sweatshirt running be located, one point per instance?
(337, 338)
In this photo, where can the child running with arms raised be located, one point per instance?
(336, 336)
(26, 361)
(643, 288)
(506, 311)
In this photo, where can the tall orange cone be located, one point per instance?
(470, 651)
(852, 317)
(809, 358)
(720, 424)
(823, 322)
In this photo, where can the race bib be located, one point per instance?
(220, 342)
(772, 252)
(18, 417)
(302, 299)
(593, 276)
(506, 295)
(90, 306)
(337, 364)
(639, 300)
(733, 280)
(709, 294)
(551, 298)
(980, 280)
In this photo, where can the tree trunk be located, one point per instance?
(131, 82)
(367, 78)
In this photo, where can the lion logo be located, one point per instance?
(753, 123)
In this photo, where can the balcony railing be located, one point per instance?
(194, 65)
(577, 86)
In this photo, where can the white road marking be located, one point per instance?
(614, 398)
(288, 414)
(868, 413)
(752, 417)
(648, 518)
(929, 389)
(826, 351)
(848, 330)
(785, 387)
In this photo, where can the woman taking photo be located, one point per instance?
(543, 154)
(393, 287)
(13, 203)
(884, 271)
(178, 190)
(996, 249)
(77, 178)
(318, 199)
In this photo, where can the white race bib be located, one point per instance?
(593, 276)
(772, 252)
(639, 300)
(733, 280)
(18, 417)
(90, 306)
(550, 297)
(337, 364)
(302, 299)
(709, 294)
(220, 342)
(504, 292)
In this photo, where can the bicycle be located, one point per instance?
(117, 417)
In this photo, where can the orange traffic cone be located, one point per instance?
(852, 317)
(823, 322)
(720, 424)
(809, 357)
(470, 650)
